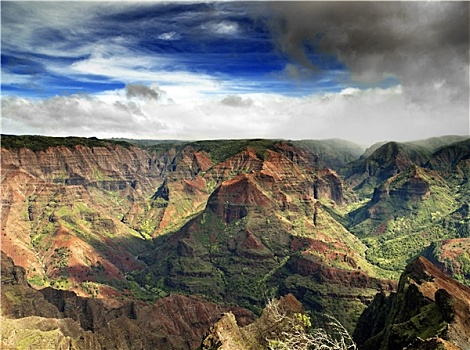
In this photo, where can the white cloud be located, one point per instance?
(224, 28)
(362, 116)
(15, 79)
(422, 48)
(118, 64)
(169, 36)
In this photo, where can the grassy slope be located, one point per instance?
(397, 228)
(41, 143)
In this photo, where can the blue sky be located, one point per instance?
(192, 70)
(214, 39)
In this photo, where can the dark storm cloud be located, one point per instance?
(138, 90)
(237, 101)
(424, 44)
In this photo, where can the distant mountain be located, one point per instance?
(434, 143)
(431, 144)
(451, 156)
(331, 153)
(371, 149)
(414, 195)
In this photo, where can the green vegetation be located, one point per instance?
(220, 150)
(38, 281)
(131, 289)
(92, 288)
(41, 143)
(60, 257)
(400, 224)
(60, 283)
(464, 262)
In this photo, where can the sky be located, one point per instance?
(360, 71)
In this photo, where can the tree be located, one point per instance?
(292, 332)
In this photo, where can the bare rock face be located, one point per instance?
(429, 311)
(12, 274)
(232, 199)
(99, 166)
(328, 185)
(225, 335)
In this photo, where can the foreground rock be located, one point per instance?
(429, 311)
(226, 334)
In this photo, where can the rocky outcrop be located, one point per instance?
(18, 298)
(232, 200)
(429, 311)
(328, 185)
(274, 323)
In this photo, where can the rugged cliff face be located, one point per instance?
(81, 217)
(428, 311)
(62, 211)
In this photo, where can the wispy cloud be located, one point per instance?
(169, 36)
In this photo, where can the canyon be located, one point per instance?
(124, 230)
